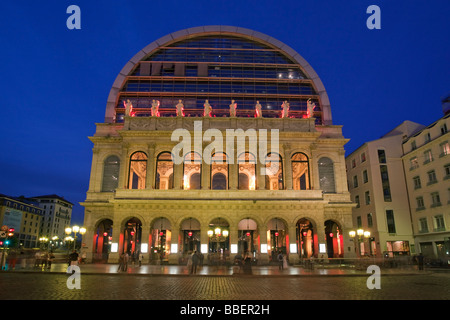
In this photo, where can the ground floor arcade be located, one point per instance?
(167, 231)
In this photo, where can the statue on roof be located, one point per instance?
(155, 108)
(285, 111)
(180, 109)
(310, 108)
(128, 108)
(233, 107)
(207, 109)
(258, 111)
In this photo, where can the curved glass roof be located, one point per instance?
(218, 67)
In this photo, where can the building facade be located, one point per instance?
(217, 139)
(377, 185)
(426, 162)
(56, 216)
(24, 217)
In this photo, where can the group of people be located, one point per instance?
(195, 260)
(244, 263)
(124, 259)
(10, 259)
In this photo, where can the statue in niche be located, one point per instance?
(310, 108)
(285, 109)
(128, 108)
(207, 109)
(180, 109)
(155, 108)
(233, 107)
(258, 111)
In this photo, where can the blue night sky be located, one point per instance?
(56, 81)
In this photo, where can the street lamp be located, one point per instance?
(362, 234)
(43, 241)
(75, 230)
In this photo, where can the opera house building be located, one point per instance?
(219, 140)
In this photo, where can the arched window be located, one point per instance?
(192, 168)
(300, 172)
(219, 171)
(138, 170)
(274, 172)
(111, 167)
(164, 171)
(326, 175)
(247, 171)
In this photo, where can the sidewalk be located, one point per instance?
(179, 270)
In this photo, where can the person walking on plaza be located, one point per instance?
(121, 257)
(141, 257)
(73, 258)
(280, 260)
(189, 263)
(247, 263)
(420, 261)
(50, 259)
(195, 260)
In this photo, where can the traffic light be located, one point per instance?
(11, 232)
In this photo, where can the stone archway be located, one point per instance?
(101, 245)
(334, 239)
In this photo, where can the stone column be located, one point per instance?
(124, 162)
(206, 176)
(173, 257)
(294, 256)
(233, 173)
(151, 163)
(145, 239)
(322, 239)
(234, 239)
(260, 178)
(116, 238)
(178, 176)
(263, 257)
(287, 166)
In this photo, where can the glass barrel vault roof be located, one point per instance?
(218, 64)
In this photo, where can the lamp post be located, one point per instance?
(43, 241)
(75, 230)
(361, 235)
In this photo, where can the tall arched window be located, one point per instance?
(326, 175)
(247, 171)
(274, 172)
(300, 172)
(138, 170)
(192, 171)
(164, 171)
(111, 167)
(219, 171)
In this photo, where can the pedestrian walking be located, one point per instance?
(247, 263)
(189, 264)
(280, 260)
(195, 260)
(73, 258)
(37, 259)
(420, 261)
(141, 257)
(50, 259)
(121, 257)
(285, 264)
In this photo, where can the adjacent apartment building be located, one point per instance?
(56, 215)
(377, 186)
(24, 217)
(401, 186)
(427, 170)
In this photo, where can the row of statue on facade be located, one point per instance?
(207, 111)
